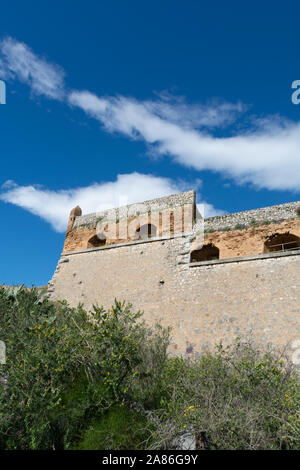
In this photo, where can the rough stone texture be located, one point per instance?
(132, 210)
(281, 211)
(253, 294)
(166, 221)
(203, 304)
(247, 242)
(75, 212)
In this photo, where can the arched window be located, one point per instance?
(95, 242)
(281, 242)
(146, 231)
(208, 252)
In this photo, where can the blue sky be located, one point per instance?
(114, 101)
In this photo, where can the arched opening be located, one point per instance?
(146, 231)
(281, 242)
(208, 252)
(95, 242)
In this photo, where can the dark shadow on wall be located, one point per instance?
(281, 242)
(95, 242)
(206, 253)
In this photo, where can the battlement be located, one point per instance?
(149, 219)
(270, 213)
(177, 214)
(133, 210)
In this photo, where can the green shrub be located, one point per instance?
(253, 223)
(298, 211)
(119, 428)
(102, 380)
(66, 367)
(236, 398)
(239, 227)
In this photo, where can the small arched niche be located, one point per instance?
(146, 231)
(208, 252)
(95, 242)
(281, 242)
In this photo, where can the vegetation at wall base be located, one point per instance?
(103, 380)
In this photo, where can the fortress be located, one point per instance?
(209, 279)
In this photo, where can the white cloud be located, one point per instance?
(175, 109)
(265, 155)
(17, 60)
(4, 72)
(208, 210)
(55, 206)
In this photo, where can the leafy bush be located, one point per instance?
(103, 380)
(119, 428)
(237, 398)
(253, 223)
(66, 366)
(298, 211)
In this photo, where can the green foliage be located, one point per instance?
(117, 429)
(298, 211)
(102, 380)
(253, 223)
(237, 398)
(65, 366)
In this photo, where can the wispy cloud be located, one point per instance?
(208, 210)
(4, 72)
(54, 206)
(265, 154)
(18, 61)
(175, 109)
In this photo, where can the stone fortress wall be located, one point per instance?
(172, 214)
(132, 210)
(272, 213)
(248, 288)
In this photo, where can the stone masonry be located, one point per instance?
(247, 292)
